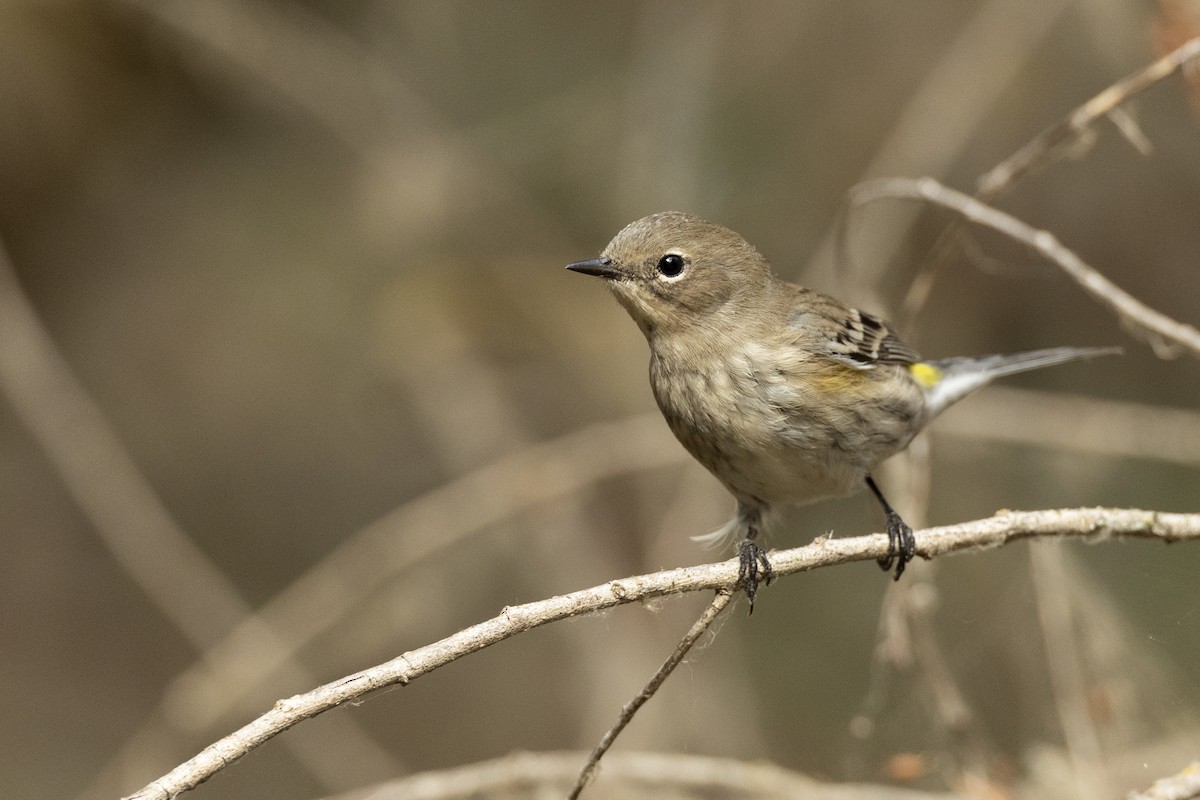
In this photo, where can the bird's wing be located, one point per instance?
(852, 337)
(864, 340)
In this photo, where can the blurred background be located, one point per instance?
(285, 330)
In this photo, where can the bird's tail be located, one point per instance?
(948, 380)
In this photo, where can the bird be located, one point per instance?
(786, 395)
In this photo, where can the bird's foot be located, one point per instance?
(902, 545)
(753, 567)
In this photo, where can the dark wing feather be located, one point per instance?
(863, 340)
(849, 336)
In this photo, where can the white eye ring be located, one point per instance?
(671, 267)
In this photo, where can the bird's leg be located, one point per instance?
(902, 545)
(753, 565)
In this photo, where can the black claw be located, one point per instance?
(885, 562)
(902, 545)
(753, 567)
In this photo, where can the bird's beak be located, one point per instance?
(601, 267)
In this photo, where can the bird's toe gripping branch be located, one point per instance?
(902, 544)
(753, 568)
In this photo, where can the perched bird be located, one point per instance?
(786, 395)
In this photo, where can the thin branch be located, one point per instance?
(427, 527)
(1002, 175)
(1075, 125)
(697, 630)
(938, 121)
(1128, 308)
(1004, 527)
(422, 529)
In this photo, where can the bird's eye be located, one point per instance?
(670, 265)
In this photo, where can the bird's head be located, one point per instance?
(672, 271)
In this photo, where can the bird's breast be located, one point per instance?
(772, 429)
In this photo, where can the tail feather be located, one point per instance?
(725, 535)
(961, 376)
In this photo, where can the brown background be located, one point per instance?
(306, 259)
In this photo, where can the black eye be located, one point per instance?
(670, 265)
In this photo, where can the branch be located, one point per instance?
(697, 630)
(421, 529)
(1004, 527)
(1127, 307)
(1002, 175)
(1038, 151)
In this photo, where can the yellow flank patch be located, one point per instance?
(840, 380)
(925, 374)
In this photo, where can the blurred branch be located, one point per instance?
(421, 529)
(1038, 151)
(354, 93)
(101, 477)
(1122, 429)
(291, 53)
(675, 65)
(1067, 675)
(1005, 527)
(939, 119)
(428, 526)
(299, 57)
(627, 775)
(131, 521)
(1074, 422)
(1183, 786)
(1133, 312)
(1052, 139)
(697, 630)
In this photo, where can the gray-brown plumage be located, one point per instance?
(783, 393)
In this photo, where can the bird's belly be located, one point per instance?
(774, 442)
(789, 475)
(763, 454)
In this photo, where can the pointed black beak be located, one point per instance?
(600, 267)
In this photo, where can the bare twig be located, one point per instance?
(1184, 786)
(1002, 175)
(1050, 141)
(938, 121)
(974, 421)
(303, 59)
(424, 528)
(697, 630)
(428, 526)
(1128, 308)
(994, 531)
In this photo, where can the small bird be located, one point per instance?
(785, 394)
